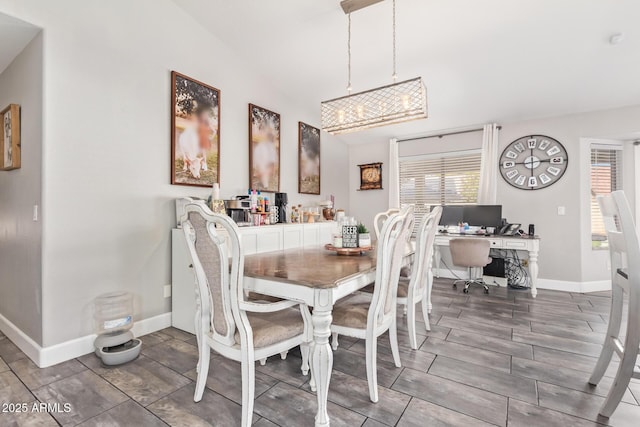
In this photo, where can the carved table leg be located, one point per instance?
(322, 356)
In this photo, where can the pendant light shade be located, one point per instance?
(385, 105)
(382, 106)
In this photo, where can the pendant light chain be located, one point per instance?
(349, 54)
(394, 75)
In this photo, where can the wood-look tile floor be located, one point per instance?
(498, 359)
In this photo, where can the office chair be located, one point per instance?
(473, 254)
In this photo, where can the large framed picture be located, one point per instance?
(10, 138)
(195, 132)
(308, 159)
(264, 149)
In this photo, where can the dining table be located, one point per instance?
(318, 278)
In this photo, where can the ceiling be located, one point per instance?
(15, 35)
(482, 61)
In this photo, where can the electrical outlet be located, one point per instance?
(562, 210)
(167, 291)
(524, 262)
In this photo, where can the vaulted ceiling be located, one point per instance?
(482, 61)
(15, 35)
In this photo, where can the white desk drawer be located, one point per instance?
(496, 243)
(515, 244)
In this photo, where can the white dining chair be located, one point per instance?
(624, 250)
(380, 218)
(225, 320)
(417, 287)
(367, 316)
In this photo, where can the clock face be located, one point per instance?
(533, 162)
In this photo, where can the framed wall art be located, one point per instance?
(264, 149)
(195, 132)
(308, 159)
(371, 176)
(10, 144)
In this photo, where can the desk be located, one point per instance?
(519, 243)
(317, 278)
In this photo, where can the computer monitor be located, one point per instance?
(483, 215)
(451, 215)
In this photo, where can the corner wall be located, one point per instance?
(20, 189)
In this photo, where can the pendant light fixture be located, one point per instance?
(394, 103)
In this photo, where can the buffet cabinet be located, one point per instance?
(254, 240)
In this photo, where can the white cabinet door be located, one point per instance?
(183, 288)
(269, 239)
(326, 232)
(249, 243)
(311, 235)
(292, 236)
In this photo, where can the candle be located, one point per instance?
(215, 191)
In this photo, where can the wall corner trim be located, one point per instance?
(58, 353)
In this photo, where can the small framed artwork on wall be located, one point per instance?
(10, 144)
(264, 149)
(371, 176)
(195, 132)
(308, 159)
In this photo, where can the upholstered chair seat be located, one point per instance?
(403, 287)
(271, 328)
(472, 254)
(255, 297)
(352, 312)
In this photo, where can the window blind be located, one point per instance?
(443, 179)
(605, 177)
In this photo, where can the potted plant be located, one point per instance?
(364, 238)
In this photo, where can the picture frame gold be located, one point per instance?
(10, 143)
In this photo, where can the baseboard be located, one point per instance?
(578, 287)
(552, 284)
(58, 353)
(20, 339)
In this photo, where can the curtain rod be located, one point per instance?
(445, 134)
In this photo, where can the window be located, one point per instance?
(606, 177)
(441, 179)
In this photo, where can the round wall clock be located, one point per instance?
(533, 162)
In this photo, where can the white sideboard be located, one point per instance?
(254, 240)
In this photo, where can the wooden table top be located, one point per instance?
(314, 267)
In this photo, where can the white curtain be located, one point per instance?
(394, 174)
(488, 188)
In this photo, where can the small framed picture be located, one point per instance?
(195, 132)
(371, 176)
(264, 149)
(10, 144)
(308, 159)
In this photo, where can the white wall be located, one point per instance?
(20, 189)
(108, 206)
(565, 249)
